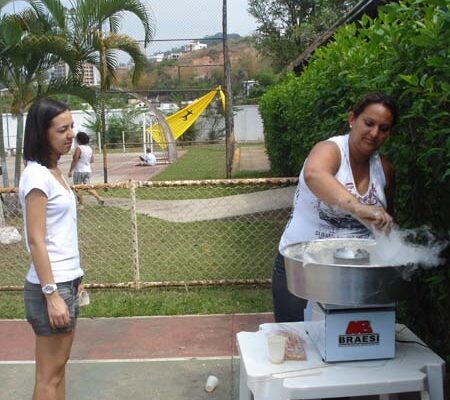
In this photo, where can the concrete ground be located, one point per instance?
(252, 158)
(140, 358)
(135, 358)
(149, 358)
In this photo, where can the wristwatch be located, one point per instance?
(49, 288)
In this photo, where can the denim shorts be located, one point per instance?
(81, 178)
(36, 307)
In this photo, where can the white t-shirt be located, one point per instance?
(84, 162)
(313, 219)
(149, 159)
(61, 237)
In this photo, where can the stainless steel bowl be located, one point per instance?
(313, 273)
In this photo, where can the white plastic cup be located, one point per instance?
(211, 383)
(83, 298)
(277, 347)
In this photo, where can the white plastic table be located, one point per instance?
(415, 368)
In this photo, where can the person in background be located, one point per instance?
(345, 186)
(50, 226)
(148, 159)
(82, 159)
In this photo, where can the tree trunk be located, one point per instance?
(3, 155)
(229, 123)
(19, 140)
(103, 136)
(103, 87)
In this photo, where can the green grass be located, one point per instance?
(197, 163)
(158, 301)
(232, 248)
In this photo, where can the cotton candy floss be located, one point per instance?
(411, 247)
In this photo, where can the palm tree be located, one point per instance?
(105, 44)
(27, 51)
(92, 27)
(47, 33)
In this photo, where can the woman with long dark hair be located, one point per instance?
(50, 225)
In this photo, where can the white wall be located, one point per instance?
(80, 119)
(247, 125)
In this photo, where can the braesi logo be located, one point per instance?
(359, 333)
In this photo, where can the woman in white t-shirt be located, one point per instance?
(344, 187)
(50, 225)
(82, 159)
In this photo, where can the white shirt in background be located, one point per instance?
(84, 162)
(149, 159)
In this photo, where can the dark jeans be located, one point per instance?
(286, 306)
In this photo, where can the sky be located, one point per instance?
(181, 19)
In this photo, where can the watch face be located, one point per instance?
(49, 288)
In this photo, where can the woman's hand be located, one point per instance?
(58, 312)
(374, 217)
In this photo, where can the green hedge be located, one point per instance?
(405, 53)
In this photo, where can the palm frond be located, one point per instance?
(40, 45)
(114, 23)
(111, 61)
(11, 31)
(108, 8)
(131, 47)
(55, 9)
(71, 87)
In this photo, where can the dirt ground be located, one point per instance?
(123, 166)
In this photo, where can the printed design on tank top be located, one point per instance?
(339, 224)
(296, 196)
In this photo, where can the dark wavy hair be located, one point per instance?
(376, 98)
(35, 145)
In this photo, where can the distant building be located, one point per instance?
(194, 46)
(137, 103)
(167, 108)
(156, 57)
(248, 86)
(174, 56)
(59, 71)
(91, 75)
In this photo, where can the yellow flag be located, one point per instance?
(180, 121)
(222, 98)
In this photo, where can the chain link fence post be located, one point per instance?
(134, 235)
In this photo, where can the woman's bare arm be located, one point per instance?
(75, 158)
(36, 212)
(321, 166)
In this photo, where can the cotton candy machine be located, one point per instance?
(353, 294)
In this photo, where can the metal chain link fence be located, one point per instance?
(168, 233)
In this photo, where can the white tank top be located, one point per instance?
(313, 219)
(84, 162)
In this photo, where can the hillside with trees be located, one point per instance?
(203, 68)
